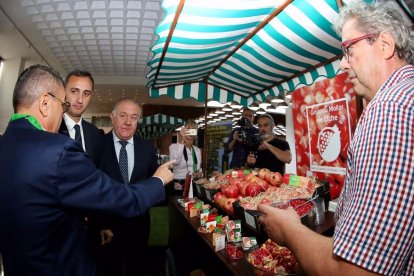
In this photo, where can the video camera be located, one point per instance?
(252, 140)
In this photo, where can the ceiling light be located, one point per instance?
(260, 111)
(265, 104)
(227, 108)
(277, 99)
(283, 105)
(212, 103)
(254, 106)
(288, 95)
(271, 109)
(237, 112)
(219, 111)
(234, 105)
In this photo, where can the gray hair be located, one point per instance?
(122, 100)
(268, 116)
(380, 17)
(34, 81)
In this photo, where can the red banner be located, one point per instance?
(324, 117)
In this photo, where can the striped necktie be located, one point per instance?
(123, 162)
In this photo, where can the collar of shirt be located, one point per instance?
(70, 124)
(30, 118)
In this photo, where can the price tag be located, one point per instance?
(220, 241)
(250, 220)
(294, 180)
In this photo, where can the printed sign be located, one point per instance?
(332, 118)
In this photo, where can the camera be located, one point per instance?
(252, 140)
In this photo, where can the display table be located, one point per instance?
(194, 250)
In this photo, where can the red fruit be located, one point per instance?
(263, 183)
(217, 196)
(254, 189)
(263, 172)
(243, 188)
(275, 179)
(232, 191)
(228, 205)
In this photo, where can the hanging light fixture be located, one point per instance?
(288, 95)
(254, 106)
(227, 108)
(271, 109)
(260, 111)
(283, 105)
(277, 99)
(265, 104)
(234, 105)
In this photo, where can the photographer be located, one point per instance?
(272, 153)
(236, 143)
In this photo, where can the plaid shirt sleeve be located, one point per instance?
(375, 215)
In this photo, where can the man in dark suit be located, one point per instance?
(78, 92)
(129, 246)
(48, 185)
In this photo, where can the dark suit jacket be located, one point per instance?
(92, 138)
(48, 185)
(145, 164)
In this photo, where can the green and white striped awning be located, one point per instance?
(160, 120)
(157, 125)
(243, 50)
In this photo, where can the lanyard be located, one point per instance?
(194, 157)
(30, 118)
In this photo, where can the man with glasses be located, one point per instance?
(272, 153)
(48, 185)
(374, 220)
(127, 158)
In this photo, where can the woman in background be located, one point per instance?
(187, 156)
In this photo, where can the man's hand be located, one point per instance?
(264, 146)
(164, 172)
(274, 220)
(106, 236)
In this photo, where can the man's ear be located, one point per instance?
(387, 45)
(44, 104)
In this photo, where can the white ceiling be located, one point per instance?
(109, 38)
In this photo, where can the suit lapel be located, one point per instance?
(87, 137)
(63, 129)
(136, 161)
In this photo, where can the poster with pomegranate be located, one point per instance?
(324, 117)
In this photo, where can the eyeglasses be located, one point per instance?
(65, 105)
(348, 43)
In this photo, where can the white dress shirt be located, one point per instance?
(70, 125)
(130, 152)
(181, 167)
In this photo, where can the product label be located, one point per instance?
(250, 220)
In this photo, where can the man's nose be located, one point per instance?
(344, 64)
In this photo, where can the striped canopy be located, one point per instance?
(157, 125)
(160, 120)
(243, 50)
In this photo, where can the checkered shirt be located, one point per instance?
(375, 216)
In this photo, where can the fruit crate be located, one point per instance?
(209, 194)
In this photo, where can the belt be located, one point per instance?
(181, 181)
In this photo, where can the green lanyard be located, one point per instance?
(30, 118)
(193, 156)
(194, 159)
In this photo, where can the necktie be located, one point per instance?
(78, 137)
(123, 162)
